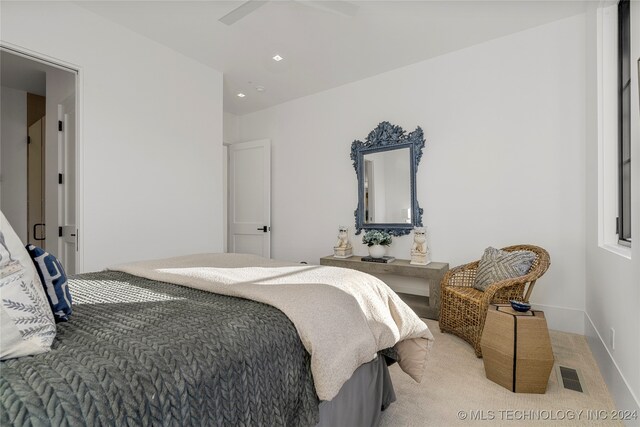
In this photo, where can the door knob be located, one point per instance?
(263, 229)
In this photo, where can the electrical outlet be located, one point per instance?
(613, 339)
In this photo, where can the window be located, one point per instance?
(623, 225)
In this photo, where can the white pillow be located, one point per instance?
(28, 326)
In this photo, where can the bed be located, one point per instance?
(143, 351)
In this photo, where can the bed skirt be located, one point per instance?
(361, 399)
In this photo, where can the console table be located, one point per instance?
(433, 273)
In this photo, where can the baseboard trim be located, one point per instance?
(563, 319)
(616, 382)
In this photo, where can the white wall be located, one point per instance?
(612, 279)
(13, 158)
(231, 128)
(151, 122)
(503, 164)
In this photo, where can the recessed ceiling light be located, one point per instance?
(260, 88)
(278, 58)
(241, 95)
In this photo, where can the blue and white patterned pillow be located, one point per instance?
(54, 280)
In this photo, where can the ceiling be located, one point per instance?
(23, 74)
(321, 48)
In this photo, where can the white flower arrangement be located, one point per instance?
(376, 237)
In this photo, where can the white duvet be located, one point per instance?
(342, 316)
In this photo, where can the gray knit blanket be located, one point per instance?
(139, 352)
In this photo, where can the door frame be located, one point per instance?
(79, 184)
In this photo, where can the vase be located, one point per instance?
(377, 251)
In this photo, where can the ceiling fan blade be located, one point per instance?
(241, 11)
(338, 7)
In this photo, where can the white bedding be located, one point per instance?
(342, 316)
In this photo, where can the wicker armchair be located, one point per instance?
(463, 309)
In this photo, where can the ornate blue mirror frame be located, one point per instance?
(386, 137)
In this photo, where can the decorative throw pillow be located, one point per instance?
(54, 280)
(27, 326)
(496, 265)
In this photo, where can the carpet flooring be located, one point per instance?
(455, 390)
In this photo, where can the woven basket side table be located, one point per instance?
(516, 349)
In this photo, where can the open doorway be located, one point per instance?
(38, 153)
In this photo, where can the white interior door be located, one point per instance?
(250, 198)
(67, 190)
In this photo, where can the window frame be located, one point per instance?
(623, 223)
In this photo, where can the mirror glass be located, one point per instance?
(387, 187)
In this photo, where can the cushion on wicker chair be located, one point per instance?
(496, 265)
